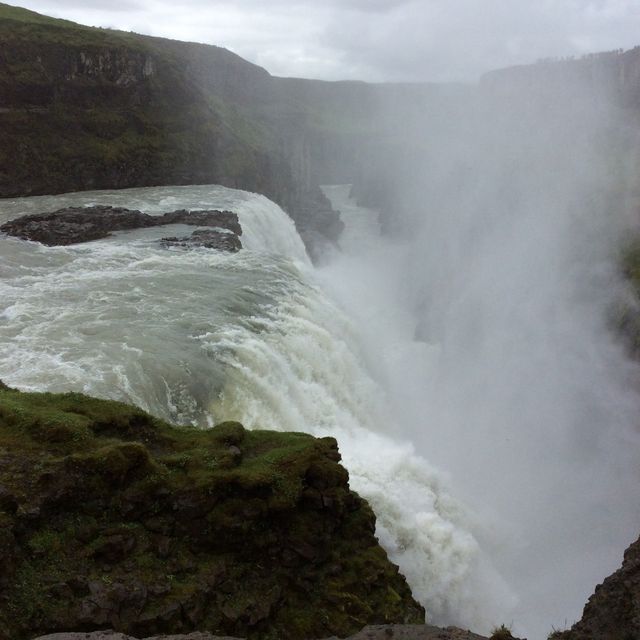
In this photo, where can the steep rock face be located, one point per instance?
(84, 108)
(613, 611)
(607, 77)
(110, 518)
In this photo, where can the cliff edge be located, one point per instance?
(110, 518)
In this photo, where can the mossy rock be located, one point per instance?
(110, 518)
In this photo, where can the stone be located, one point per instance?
(74, 225)
(208, 239)
(613, 611)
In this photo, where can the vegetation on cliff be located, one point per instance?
(110, 518)
(94, 108)
(87, 108)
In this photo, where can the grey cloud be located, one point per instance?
(64, 6)
(461, 39)
(380, 40)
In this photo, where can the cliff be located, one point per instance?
(84, 108)
(613, 611)
(607, 77)
(110, 518)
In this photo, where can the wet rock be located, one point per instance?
(613, 611)
(207, 238)
(74, 225)
(206, 218)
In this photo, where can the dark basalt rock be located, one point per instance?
(207, 238)
(613, 611)
(112, 519)
(74, 225)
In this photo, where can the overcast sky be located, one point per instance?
(375, 40)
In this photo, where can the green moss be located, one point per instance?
(246, 533)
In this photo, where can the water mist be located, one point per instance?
(515, 385)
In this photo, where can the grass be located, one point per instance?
(501, 633)
(259, 526)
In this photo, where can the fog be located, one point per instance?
(512, 212)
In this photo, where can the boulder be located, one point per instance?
(74, 225)
(207, 238)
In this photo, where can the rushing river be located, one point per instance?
(198, 336)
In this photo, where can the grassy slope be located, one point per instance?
(112, 518)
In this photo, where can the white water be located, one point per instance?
(260, 336)
(519, 391)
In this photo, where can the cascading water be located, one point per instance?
(199, 336)
(260, 336)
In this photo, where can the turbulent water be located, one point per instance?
(198, 336)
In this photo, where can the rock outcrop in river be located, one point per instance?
(74, 225)
(110, 518)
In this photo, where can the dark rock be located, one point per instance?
(613, 611)
(74, 225)
(207, 238)
(318, 224)
(115, 548)
(8, 501)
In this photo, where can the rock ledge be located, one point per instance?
(110, 518)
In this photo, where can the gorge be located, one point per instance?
(456, 337)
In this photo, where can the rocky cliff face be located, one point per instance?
(84, 108)
(110, 518)
(613, 611)
(610, 76)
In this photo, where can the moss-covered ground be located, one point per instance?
(112, 518)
